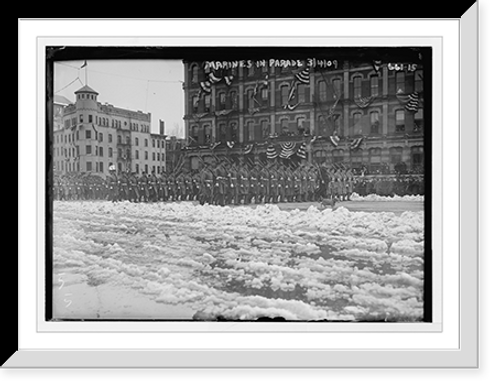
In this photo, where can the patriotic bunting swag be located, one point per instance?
(302, 151)
(248, 148)
(287, 149)
(271, 152)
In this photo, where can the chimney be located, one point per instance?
(162, 127)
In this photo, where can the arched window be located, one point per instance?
(358, 129)
(357, 86)
(194, 73)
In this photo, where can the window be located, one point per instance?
(396, 155)
(81, 118)
(163, 157)
(136, 168)
(322, 91)
(127, 140)
(110, 138)
(374, 85)
(101, 151)
(374, 122)
(357, 86)
(418, 120)
(250, 97)
(337, 87)
(110, 152)
(89, 166)
(153, 154)
(336, 124)
(207, 103)
(418, 81)
(264, 129)
(90, 118)
(400, 120)
(284, 94)
(137, 155)
(400, 82)
(196, 102)
(145, 142)
(88, 149)
(284, 125)
(119, 139)
(194, 73)
(207, 134)
(146, 155)
(302, 93)
(146, 168)
(136, 141)
(101, 166)
(100, 137)
(234, 100)
(357, 124)
(251, 131)
(222, 132)
(222, 100)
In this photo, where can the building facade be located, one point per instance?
(95, 136)
(358, 114)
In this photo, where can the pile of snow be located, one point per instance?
(244, 263)
(378, 198)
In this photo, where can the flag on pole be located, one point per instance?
(356, 143)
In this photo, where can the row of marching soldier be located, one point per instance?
(225, 182)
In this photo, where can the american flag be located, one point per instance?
(334, 139)
(304, 76)
(412, 104)
(356, 143)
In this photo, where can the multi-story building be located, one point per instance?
(95, 136)
(353, 113)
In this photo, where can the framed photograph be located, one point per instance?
(259, 200)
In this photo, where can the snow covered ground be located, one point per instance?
(185, 261)
(378, 198)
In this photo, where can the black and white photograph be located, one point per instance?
(241, 184)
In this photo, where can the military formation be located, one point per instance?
(226, 182)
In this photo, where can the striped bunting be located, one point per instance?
(271, 152)
(412, 104)
(287, 149)
(302, 151)
(303, 76)
(248, 148)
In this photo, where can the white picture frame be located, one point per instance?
(450, 343)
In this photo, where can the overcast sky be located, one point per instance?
(153, 86)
